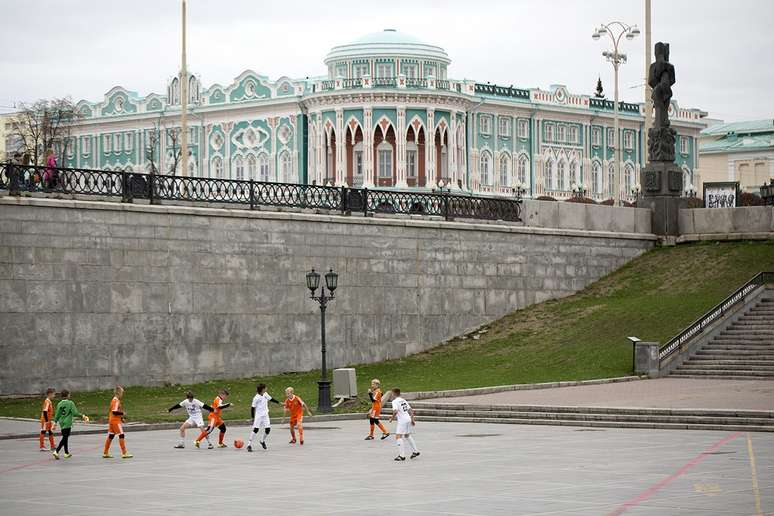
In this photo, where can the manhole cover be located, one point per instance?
(479, 435)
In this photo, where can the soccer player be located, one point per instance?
(403, 412)
(115, 420)
(215, 421)
(260, 412)
(296, 406)
(65, 412)
(46, 415)
(194, 408)
(375, 393)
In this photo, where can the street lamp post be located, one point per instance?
(313, 283)
(615, 30)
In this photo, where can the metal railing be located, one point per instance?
(413, 82)
(502, 91)
(157, 187)
(715, 314)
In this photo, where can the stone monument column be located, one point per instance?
(662, 179)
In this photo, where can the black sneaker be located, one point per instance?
(414, 455)
(249, 448)
(263, 445)
(399, 458)
(384, 436)
(368, 438)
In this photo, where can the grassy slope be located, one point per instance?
(579, 337)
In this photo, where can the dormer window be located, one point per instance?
(119, 104)
(384, 70)
(361, 70)
(249, 88)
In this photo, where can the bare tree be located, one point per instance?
(43, 125)
(173, 137)
(153, 146)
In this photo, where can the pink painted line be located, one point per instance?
(671, 478)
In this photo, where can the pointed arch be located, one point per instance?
(485, 168)
(522, 169)
(505, 169)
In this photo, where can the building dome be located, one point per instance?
(387, 43)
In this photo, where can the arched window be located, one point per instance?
(560, 174)
(285, 166)
(193, 90)
(252, 167)
(523, 169)
(505, 170)
(486, 164)
(548, 175)
(628, 177)
(687, 179)
(239, 166)
(217, 167)
(611, 179)
(596, 177)
(574, 179)
(263, 167)
(357, 172)
(384, 154)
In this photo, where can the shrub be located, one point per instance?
(632, 204)
(608, 202)
(695, 202)
(544, 198)
(750, 199)
(583, 200)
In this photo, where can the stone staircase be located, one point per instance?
(597, 417)
(744, 349)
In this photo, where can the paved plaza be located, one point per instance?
(659, 393)
(464, 469)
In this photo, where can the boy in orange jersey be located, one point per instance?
(46, 417)
(115, 420)
(296, 406)
(215, 420)
(375, 393)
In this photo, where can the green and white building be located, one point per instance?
(386, 115)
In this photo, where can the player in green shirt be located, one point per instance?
(65, 412)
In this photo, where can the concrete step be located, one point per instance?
(503, 414)
(733, 348)
(752, 325)
(602, 424)
(713, 366)
(722, 372)
(574, 409)
(740, 354)
(740, 342)
(684, 374)
(748, 333)
(740, 362)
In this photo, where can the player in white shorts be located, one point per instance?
(403, 412)
(194, 408)
(260, 412)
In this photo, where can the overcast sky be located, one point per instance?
(723, 51)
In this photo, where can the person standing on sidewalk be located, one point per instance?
(65, 412)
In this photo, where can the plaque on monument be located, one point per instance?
(721, 194)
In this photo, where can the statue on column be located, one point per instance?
(661, 77)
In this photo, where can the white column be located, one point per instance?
(451, 151)
(400, 144)
(322, 149)
(368, 148)
(430, 150)
(341, 147)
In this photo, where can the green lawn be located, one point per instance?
(579, 337)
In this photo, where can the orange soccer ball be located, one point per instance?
(239, 443)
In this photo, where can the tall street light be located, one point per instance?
(184, 100)
(616, 30)
(313, 283)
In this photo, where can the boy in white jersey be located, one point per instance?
(403, 412)
(260, 412)
(194, 408)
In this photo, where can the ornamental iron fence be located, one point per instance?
(715, 314)
(252, 194)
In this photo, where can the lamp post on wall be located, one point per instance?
(313, 283)
(616, 30)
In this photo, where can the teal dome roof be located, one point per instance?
(387, 43)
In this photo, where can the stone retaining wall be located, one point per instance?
(93, 293)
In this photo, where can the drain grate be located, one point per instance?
(479, 435)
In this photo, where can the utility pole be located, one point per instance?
(183, 105)
(648, 100)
